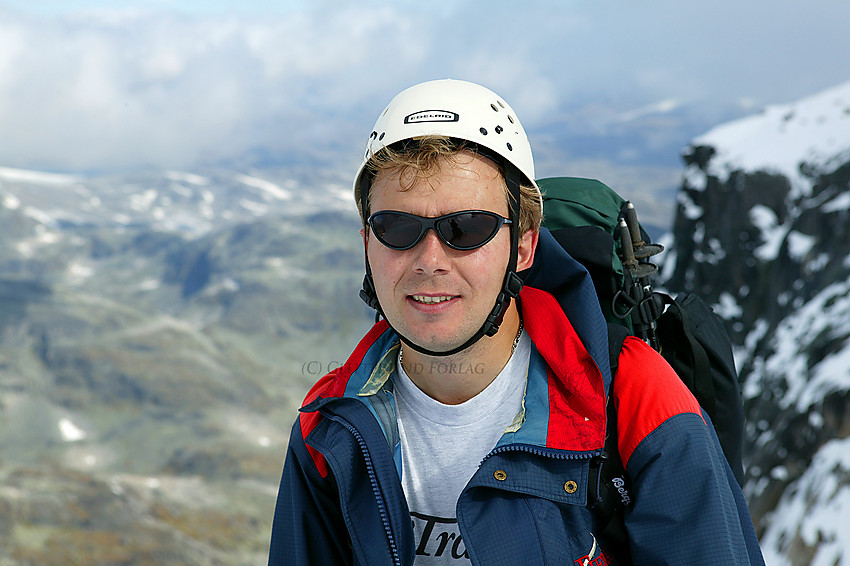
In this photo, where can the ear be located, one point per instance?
(525, 250)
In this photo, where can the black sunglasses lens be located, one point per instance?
(468, 230)
(395, 230)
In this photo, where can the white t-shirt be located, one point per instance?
(442, 447)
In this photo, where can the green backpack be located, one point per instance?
(591, 222)
(600, 229)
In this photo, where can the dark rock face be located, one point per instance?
(774, 260)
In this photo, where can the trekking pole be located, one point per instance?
(632, 295)
(636, 254)
(642, 250)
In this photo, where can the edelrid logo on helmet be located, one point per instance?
(431, 116)
(620, 484)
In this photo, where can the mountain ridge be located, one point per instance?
(762, 232)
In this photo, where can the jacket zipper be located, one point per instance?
(376, 491)
(545, 452)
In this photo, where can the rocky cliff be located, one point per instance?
(762, 231)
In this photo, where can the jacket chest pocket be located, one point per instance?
(509, 528)
(530, 512)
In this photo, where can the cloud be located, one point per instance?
(112, 89)
(150, 86)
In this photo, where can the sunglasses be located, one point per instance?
(463, 230)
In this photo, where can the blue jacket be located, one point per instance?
(341, 499)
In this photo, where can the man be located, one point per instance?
(463, 427)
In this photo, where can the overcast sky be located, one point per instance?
(98, 85)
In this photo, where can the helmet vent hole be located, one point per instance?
(494, 107)
(499, 129)
(510, 119)
(382, 136)
(483, 131)
(502, 104)
(373, 135)
(510, 148)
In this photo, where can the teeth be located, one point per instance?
(430, 300)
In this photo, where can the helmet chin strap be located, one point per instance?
(511, 286)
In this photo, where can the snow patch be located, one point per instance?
(183, 191)
(808, 381)
(267, 187)
(143, 201)
(772, 233)
(728, 308)
(699, 233)
(753, 385)
(43, 237)
(695, 178)
(190, 178)
(40, 216)
(828, 376)
(815, 509)
(149, 285)
(715, 253)
(799, 245)
(70, 432)
(36, 177)
(838, 204)
(11, 202)
(812, 131)
(662, 107)
(818, 263)
(226, 285)
(689, 208)
(255, 207)
(79, 272)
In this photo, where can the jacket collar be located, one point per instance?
(565, 396)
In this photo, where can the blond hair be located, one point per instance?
(425, 158)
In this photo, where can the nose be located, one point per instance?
(431, 254)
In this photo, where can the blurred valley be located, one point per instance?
(157, 334)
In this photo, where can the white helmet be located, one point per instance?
(456, 109)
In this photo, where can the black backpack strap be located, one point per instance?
(610, 483)
(617, 334)
(691, 362)
(698, 348)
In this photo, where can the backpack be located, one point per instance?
(600, 229)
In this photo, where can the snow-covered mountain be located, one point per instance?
(171, 201)
(763, 230)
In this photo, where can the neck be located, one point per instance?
(460, 377)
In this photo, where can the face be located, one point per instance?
(434, 295)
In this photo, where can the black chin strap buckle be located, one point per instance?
(510, 290)
(368, 294)
(513, 285)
